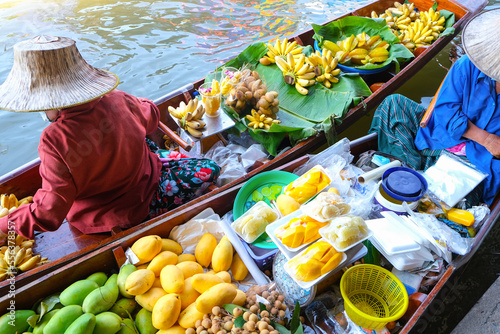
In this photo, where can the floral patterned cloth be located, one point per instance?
(181, 179)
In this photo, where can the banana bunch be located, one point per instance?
(324, 67)
(190, 116)
(9, 203)
(298, 73)
(19, 259)
(399, 16)
(360, 49)
(281, 48)
(259, 120)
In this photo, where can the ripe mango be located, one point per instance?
(146, 248)
(20, 322)
(124, 307)
(190, 268)
(238, 268)
(63, 319)
(139, 282)
(100, 278)
(307, 270)
(125, 271)
(157, 283)
(171, 245)
(172, 279)
(76, 292)
(217, 295)
(44, 321)
(188, 317)
(240, 298)
(84, 324)
(186, 257)
(128, 327)
(102, 298)
(173, 330)
(203, 282)
(204, 249)
(222, 256)
(332, 263)
(149, 299)
(287, 204)
(189, 294)
(107, 323)
(144, 322)
(161, 260)
(226, 277)
(166, 311)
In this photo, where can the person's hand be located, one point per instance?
(3, 238)
(492, 144)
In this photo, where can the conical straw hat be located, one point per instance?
(49, 73)
(480, 40)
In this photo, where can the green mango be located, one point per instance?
(44, 321)
(128, 327)
(63, 319)
(103, 298)
(144, 322)
(85, 324)
(76, 292)
(107, 323)
(15, 322)
(122, 277)
(124, 307)
(99, 277)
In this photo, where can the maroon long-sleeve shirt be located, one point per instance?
(96, 168)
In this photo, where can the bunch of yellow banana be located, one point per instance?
(281, 48)
(297, 72)
(360, 49)
(324, 67)
(399, 16)
(9, 203)
(259, 120)
(19, 259)
(190, 116)
(424, 30)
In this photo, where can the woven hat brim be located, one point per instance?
(480, 41)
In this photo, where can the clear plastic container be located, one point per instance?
(308, 185)
(253, 222)
(345, 232)
(326, 206)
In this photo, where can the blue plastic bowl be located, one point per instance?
(348, 69)
(404, 184)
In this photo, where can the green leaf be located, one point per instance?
(295, 323)
(239, 322)
(262, 306)
(270, 140)
(280, 328)
(434, 6)
(33, 320)
(47, 304)
(230, 308)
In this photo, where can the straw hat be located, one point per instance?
(480, 40)
(49, 73)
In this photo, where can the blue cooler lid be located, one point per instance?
(404, 183)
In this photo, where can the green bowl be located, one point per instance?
(265, 187)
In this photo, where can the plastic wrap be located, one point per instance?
(345, 232)
(253, 222)
(325, 206)
(298, 231)
(308, 185)
(480, 213)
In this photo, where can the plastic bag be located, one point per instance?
(326, 206)
(480, 213)
(251, 155)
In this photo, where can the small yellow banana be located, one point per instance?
(30, 263)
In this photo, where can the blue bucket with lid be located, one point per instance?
(404, 184)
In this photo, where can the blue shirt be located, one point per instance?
(466, 94)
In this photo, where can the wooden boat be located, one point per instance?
(68, 244)
(110, 256)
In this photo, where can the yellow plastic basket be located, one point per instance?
(373, 296)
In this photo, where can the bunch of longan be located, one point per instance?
(275, 306)
(218, 322)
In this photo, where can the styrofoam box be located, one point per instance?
(391, 236)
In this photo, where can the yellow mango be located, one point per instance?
(146, 248)
(172, 279)
(222, 256)
(143, 266)
(204, 249)
(226, 277)
(317, 250)
(287, 204)
(313, 176)
(332, 263)
(190, 268)
(173, 330)
(139, 282)
(298, 237)
(189, 317)
(171, 246)
(148, 300)
(312, 232)
(203, 282)
(161, 260)
(186, 257)
(328, 255)
(308, 270)
(288, 236)
(188, 294)
(217, 295)
(166, 311)
(157, 283)
(240, 298)
(238, 268)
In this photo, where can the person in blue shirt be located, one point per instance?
(466, 117)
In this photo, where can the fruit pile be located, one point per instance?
(281, 49)
(345, 231)
(413, 28)
(19, 258)
(9, 203)
(324, 67)
(190, 116)
(319, 259)
(297, 73)
(308, 185)
(299, 231)
(361, 49)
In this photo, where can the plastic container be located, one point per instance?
(404, 261)
(390, 204)
(373, 296)
(392, 236)
(262, 214)
(263, 257)
(314, 208)
(332, 227)
(307, 186)
(404, 184)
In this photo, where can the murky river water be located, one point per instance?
(155, 46)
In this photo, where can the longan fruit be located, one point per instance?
(204, 332)
(197, 324)
(274, 332)
(275, 294)
(190, 331)
(302, 319)
(271, 299)
(216, 310)
(274, 311)
(216, 327)
(206, 323)
(210, 331)
(221, 332)
(277, 304)
(206, 316)
(264, 314)
(270, 328)
(265, 294)
(246, 316)
(250, 325)
(253, 317)
(282, 314)
(283, 307)
(269, 307)
(266, 319)
(228, 325)
(199, 329)
(281, 298)
(262, 325)
(264, 331)
(254, 309)
(237, 312)
(281, 322)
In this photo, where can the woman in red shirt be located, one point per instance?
(97, 170)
